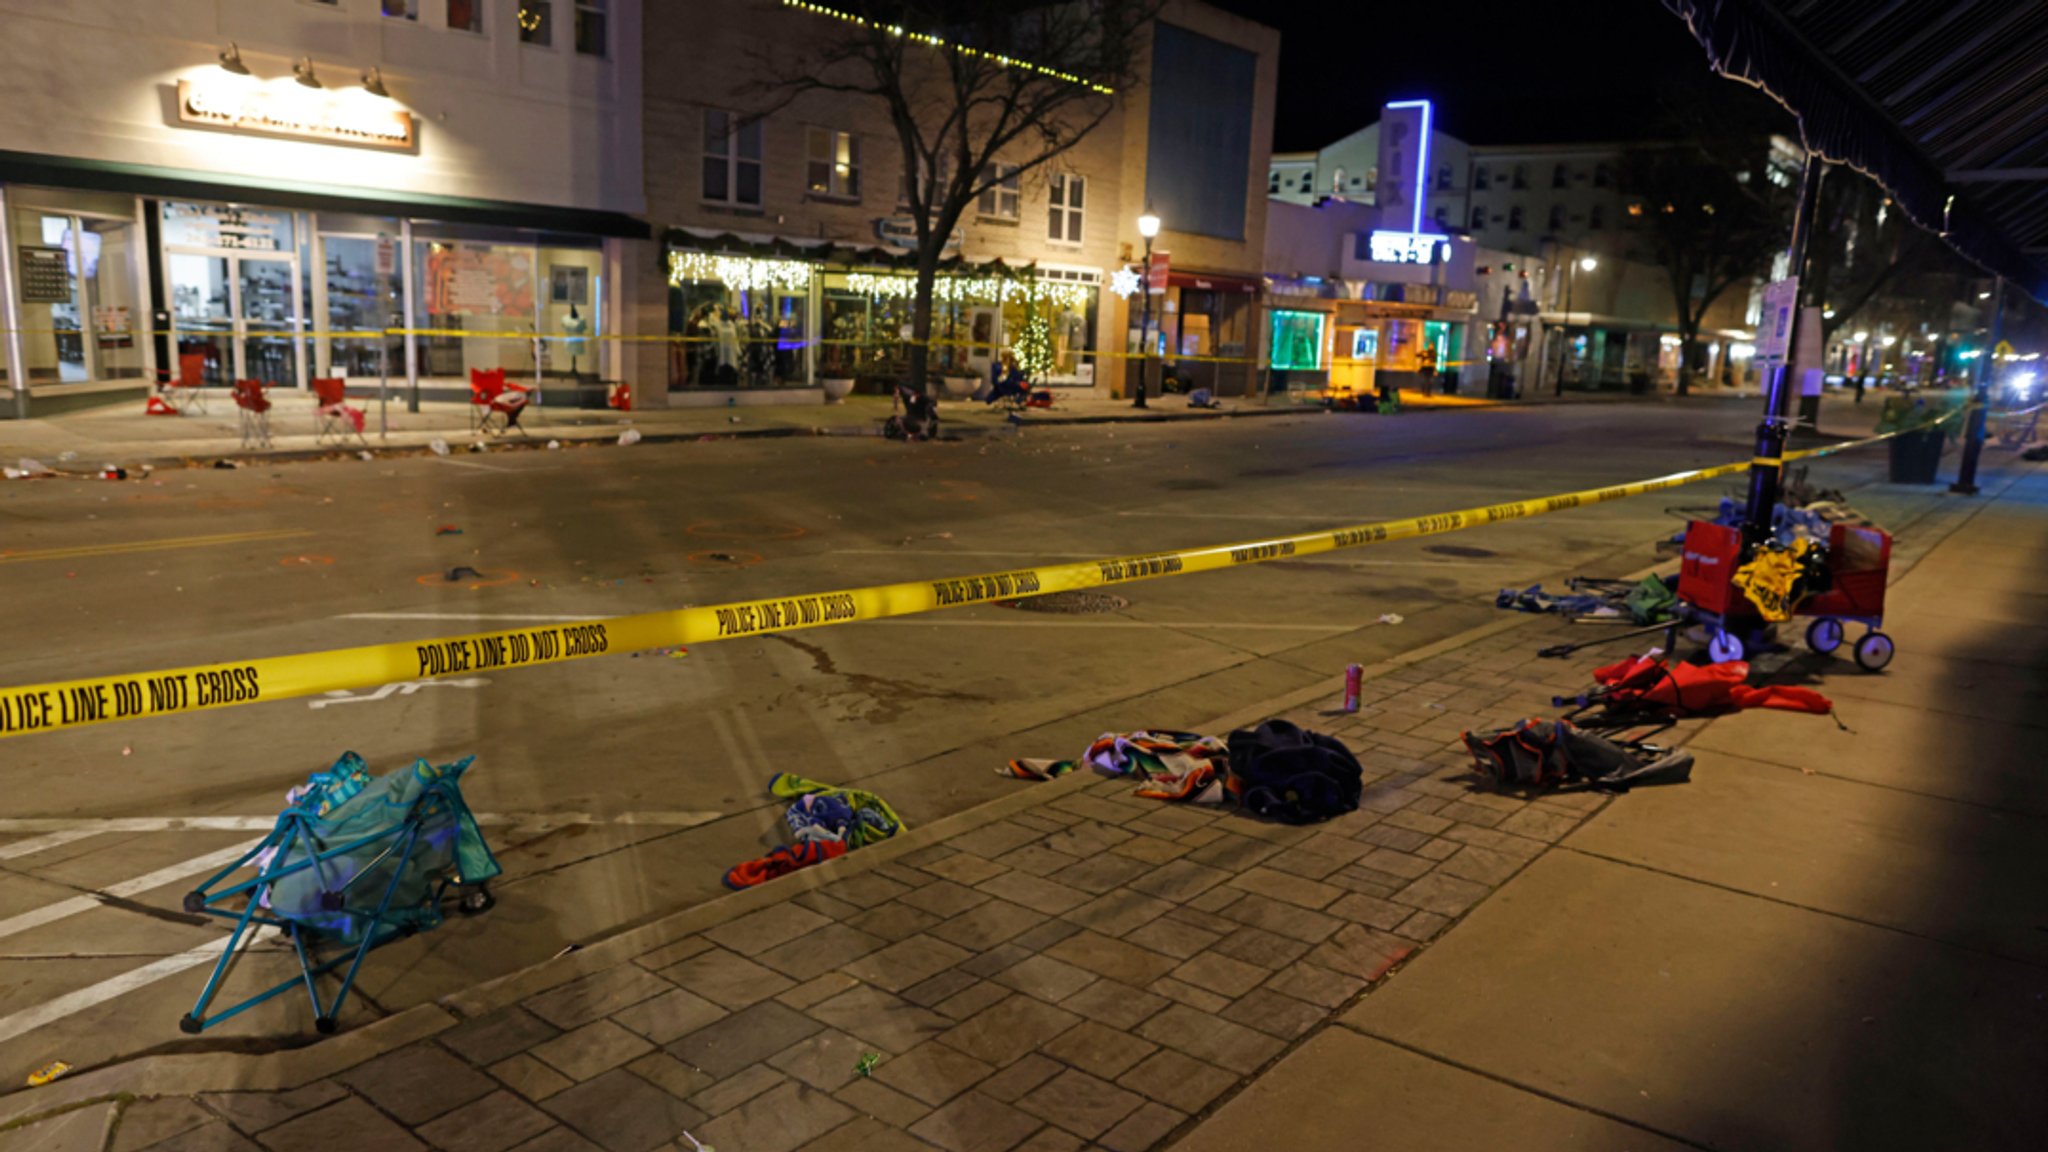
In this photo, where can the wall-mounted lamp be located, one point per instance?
(303, 73)
(373, 83)
(231, 61)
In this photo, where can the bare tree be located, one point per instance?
(1712, 220)
(969, 85)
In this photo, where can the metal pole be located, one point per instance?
(383, 388)
(409, 291)
(1145, 330)
(1571, 281)
(1767, 467)
(1973, 438)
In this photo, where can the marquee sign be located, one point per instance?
(1406, 247)
(288, 110)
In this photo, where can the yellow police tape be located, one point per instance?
(77, 703)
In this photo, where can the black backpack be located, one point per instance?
(1285, 772)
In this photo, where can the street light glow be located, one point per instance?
(1588, 263)
(1889, 341)
(1148, 226)
(1860, 337)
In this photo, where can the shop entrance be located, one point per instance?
(235, 316)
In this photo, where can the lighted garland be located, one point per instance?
(741, 273)
(985, 289)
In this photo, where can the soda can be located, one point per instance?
(1353, 676)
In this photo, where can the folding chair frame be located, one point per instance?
(293, 829)
(255, 423)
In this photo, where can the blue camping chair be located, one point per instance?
(354, 862)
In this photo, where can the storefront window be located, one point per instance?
(487, 293)
(77, 287)
(738, 321)
(1297, 340)
(571, 280)
(364, 294)
(1048, 320)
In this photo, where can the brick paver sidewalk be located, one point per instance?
(1092, 971)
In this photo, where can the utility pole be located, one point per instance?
(1980, 397)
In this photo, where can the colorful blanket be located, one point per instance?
(1171, 765)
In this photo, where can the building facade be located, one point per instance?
(206, 191)
(1349, 170)
(783, 234)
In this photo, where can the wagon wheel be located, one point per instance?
(1873, 652)
(1824, 635)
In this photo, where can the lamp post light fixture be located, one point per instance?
(303, 73)
(1148, 227)
(1587, 262)
(231, 60)
(373, 83)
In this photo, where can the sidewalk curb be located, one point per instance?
(193, 1073)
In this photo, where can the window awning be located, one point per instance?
(1943, 102)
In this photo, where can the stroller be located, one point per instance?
(354, 862)
(916, 416)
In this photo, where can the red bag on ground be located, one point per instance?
(1695, 688)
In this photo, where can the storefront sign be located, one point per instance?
(290, 110)
(227, 226)
(45, 275)
(479, 280)
(1406, 247)
(1404, 163)
(1156, 276)
(1460, 300)
(901, 232)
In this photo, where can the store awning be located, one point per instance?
(183, 184)
(1941, 101)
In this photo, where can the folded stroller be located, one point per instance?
(355, 861)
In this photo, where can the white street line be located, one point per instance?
(1124, 624)
(72, 1003)
(474, 464)
(89, 826)
(44, 843)
(464, 616)
(48, 913)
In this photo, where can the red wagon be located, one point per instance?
(1859, 565)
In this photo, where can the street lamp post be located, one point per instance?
(1148, 227)
(1571, 279)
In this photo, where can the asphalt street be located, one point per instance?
(620, 789)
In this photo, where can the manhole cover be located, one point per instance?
(1071, 603)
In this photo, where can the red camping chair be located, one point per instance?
(333, 415)
(254, 407)
(186, 392)
(494, 400)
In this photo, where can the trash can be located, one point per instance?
(1450, 381)
(1916, 455)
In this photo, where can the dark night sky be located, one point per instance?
(1500, 71)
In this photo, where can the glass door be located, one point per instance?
(235, 317)
(203, 318)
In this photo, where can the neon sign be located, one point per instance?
(1407, 247)
(294, 112)
(1395, 182)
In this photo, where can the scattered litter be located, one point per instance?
(1391, 618)
(674, 653)
(447, 530)
(697, 1146)
(66, 456)
(568, 948)
(53, 1070)
(463, 572)
(732, 419)
(365, 455)
(629, 437)
(127, 749)
(554, 445)
(113, 472)
(30, 469)
(865, 1066)
(439, 446)
(477, 446)
(227, 463)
